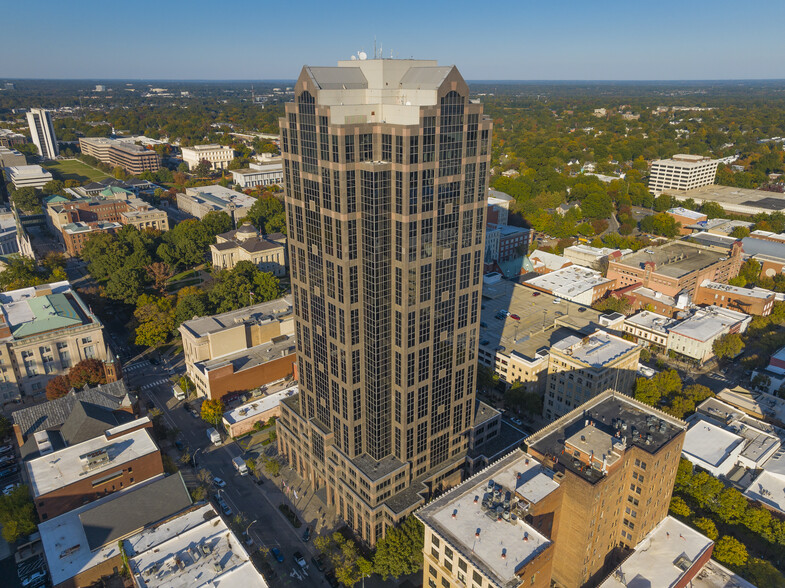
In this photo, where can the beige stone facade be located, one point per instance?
(44, 331)
(247, 244)
(386, 165)
(217, 156)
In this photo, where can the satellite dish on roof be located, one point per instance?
(354, 58)
(362, 55)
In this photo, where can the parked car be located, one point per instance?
(515, 317)
(195, 414)
(34, 578)
(10, 488)
(307, 534)
(8, 471)
(6, 449)
(219, 483)
(298, 557)
(331, 579)
(225, 507)
(179, 445)
(318, 562)
(277, 554)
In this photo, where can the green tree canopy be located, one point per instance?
(399, 553)
(212, 410)
(728, 346)
(155, 320)
(17, 514)
(730, 551)
(267, 215)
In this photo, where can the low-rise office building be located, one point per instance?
(240, 350)
(574, 283)
(592, 257)
(681, 172)
(216, 155)
(70, 477)
(686, 217)
(11, 157)
(241, 420)
(755, 301)
(544, 262)
(270, 174)
(580, 368)
(267, 252)
(694, 336)
(498, 210)
(203, 199)
(676, 267)
(133, 158)
(28, 176)
(9, 138)
(44, 331)
(650, 328)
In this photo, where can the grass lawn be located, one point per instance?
(73, 169)
(182, 275)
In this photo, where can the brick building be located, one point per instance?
(67, 479)
(240, 350)
(757, 301)
(135, 159)
(616, 459)
(676, 266)
(686, 217)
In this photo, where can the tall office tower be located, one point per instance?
(43, 132)
(386, 165)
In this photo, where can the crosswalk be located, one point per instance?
(136, 366)
(156, 383)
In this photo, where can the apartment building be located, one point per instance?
(267, 252)
(755, 301)
(44, 331)
(681, 172)
(135, 159)
(43, 132)
(216, 155)
(676, 267)
(200, 200)
(240, 350)
(580, 368)
(70, 477)
(270, 174)
(498, 528)
(498, 211)
(616, 459)
(386, 170)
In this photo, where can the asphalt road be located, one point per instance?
(259, 504)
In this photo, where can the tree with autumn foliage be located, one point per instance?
(155, 318)
(57, 387)
(87, 372)
(160, 273)
(212, 411)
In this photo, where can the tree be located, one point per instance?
(679, 507)
(57, 387)
(343, 555)
(731, 506)
(613, 304)
(17, 514)
(53, 187)
(88, 372)
(646, 391)
(21, 272)
(763, 574)
(272, 467)
(729, 550)
(216, 222)
(713, 210)
(202, 169)
(160, 273)
(661, 224)
(244, 284)
(522, 401)
(155, 318)
(740, 232)
(212, 410)
(5, 426)
(728, 346)
(267, 214)
(190, 305)
(399, 553)
(26, 199)
(707, 527)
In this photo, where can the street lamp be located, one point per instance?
(248, 528)
(194, 456)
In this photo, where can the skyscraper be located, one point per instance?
(43, 132)
(386, 165)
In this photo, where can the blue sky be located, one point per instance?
(521, 40)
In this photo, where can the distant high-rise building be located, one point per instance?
(386, 165)
(43, 132)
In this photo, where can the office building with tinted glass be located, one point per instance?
(385, 165)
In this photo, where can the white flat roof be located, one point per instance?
(597, 350)
(686, 212)
(258, 406)
(549, 260)
(761, 293)
(570, 281)
(768, 488)
(62, 468)
(707, 441)
(651, 320)
(195, 549)
(655, 561)
(707, 323)
(519, 541)
(713, 575)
